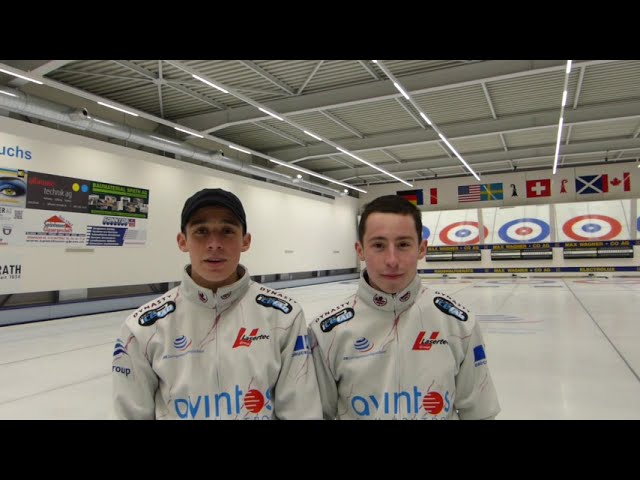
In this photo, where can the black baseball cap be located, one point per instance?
(213, 197)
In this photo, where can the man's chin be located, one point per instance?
(391, 286)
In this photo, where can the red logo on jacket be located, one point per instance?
(243, 340)
(422, 343)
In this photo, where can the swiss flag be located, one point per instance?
(539, 188)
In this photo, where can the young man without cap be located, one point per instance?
(396, 349)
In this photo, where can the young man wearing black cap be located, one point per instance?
(219, 346)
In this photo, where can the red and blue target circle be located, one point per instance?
(638, 224)
(592, 227)
(524, 230)
(425, 233)
(462, 233)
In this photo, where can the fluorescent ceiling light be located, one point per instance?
(20, 76)
(269, 113)
(564, 99)
(257, 105)
(7, 93)
(187, 131)
(164, 139)
(239, 149)
(312, 135)
(401, 90)
(555, 158)
(118, 108)
(313, 174)
(391, 77)
(426, 119)
(209, 83)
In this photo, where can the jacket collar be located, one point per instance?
(222, 299)
(388, 302)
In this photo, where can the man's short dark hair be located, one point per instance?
(390, 204)
(213, 197)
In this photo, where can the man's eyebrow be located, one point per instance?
(406, 237)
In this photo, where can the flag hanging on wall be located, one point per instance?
(433, 196)
(484, 192)
(414, 196)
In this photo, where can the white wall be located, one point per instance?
(292, 231)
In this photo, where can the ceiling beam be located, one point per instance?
(47, 67)
(474, 129)
(267, 76)
(409, 167)
(308, 79)
(374, 91)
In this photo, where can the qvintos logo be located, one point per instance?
(15, 151)
(250, 405)
(402, 404)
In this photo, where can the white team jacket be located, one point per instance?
(241, 353)
(417, 354)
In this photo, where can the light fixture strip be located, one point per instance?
(397, 84)
(118, 108)
(564, 101)
(263, 109)
(163, 139)
(375, 167)
(270, 113)
(162, 121)
(211, 84)
(312, 135)
(240, 149)
(187, 131)
(20, 76)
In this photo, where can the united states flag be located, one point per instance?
(469, 193)
(485, 192)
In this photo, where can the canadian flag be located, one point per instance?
(539, 188)
(625, 182)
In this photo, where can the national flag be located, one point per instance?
(625, 182)
(414, 196)
(592, 184)
(491, 191)
(480, 193)
(539, 188)
(433, 196)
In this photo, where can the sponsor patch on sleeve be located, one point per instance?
(479, 357)
(273, 302)
(450, 309)
(150, 317)
(331, 322)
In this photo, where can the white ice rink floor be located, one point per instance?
(558, 348)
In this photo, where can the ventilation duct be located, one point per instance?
(29, 105)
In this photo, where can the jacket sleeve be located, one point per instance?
(296, 395)
(476, 397)
(326, 380)
(134, 382)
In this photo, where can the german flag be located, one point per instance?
(414, 196)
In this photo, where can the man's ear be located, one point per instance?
(182, 242)
(422, 251)
(360, 251)
(246, 242)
